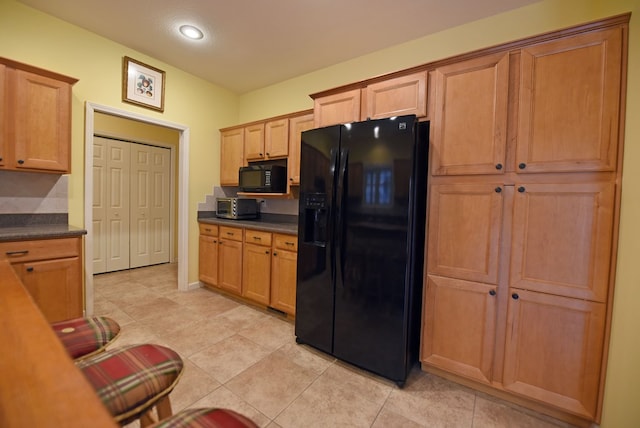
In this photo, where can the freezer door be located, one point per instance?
(316, 268)
(373, 246)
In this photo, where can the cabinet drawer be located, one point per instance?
(257, 237)
(233, 233)
(285, 242)
(208, 229)
(26, 251)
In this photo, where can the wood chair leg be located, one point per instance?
(146, 419)
(163, 407)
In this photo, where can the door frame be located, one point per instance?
(183, 193)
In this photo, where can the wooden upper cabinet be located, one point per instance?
(395, 97)
(465, 221)
(569, 103)
(254, 142)
(297, 125)
(337, 109)
(459, 327)
(469, 116)
(276, 139)
(562, 237)
(40, 122)
(231, 155)
(553, 350)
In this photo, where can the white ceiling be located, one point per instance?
(250, 44)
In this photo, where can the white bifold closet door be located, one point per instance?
(131, 205)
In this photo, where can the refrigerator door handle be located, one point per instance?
(333, 166)
(341, 209)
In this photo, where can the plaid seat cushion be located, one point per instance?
(125, 378)
(206, 418)
(83, 336)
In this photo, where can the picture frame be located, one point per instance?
(142, 84)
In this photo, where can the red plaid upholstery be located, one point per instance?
(206, 418)
(130, 379)
(84, 336)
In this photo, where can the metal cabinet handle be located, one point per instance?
(522, 165)
(30, 269)
(498, 166)
(515, 296)
(492, 292)
(17, 253)
(521, 189)
(498, 189)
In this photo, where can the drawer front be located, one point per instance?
(208, 229)
(257, 237)
(285, 242)
(232, 233)
(44, 249)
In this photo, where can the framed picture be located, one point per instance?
(142, 84)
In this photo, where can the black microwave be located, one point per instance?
(263, 178)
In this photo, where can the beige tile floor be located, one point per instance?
(245, 359)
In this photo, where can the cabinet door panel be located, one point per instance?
(42, 122)
(231, 156)
(256, 273)
(396, 97)
(469, 119)
(569, 103)
(208, 260)
(56, 287)
(230, 265)
(553, 350)
(297, 125)
(335, 109)
(254, 142)
(465, 222)
(283, 282)
(562, 237)
(276, 138)
(460, 323)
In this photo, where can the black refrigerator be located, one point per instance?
(361, 230)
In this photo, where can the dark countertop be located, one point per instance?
(39, 231)
(269, 223)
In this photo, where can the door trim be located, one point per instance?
(183, 187)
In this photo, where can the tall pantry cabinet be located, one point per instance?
(523, 207)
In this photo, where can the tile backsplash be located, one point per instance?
(33, 193)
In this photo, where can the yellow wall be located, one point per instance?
(29, 36)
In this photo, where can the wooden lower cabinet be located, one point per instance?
(208, 254)
(553, 350)
(515, 288)
(252, 264)
(283, 273)
(230, 259)
(51, 270)
(459, 334)
(256, 270)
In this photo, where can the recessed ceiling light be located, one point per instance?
(191, 32)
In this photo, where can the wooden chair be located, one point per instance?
(133, 380)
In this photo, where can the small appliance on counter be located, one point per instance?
(237, 208)
(263, 178)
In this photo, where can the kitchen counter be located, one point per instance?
(278, 223)
(39, 231)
